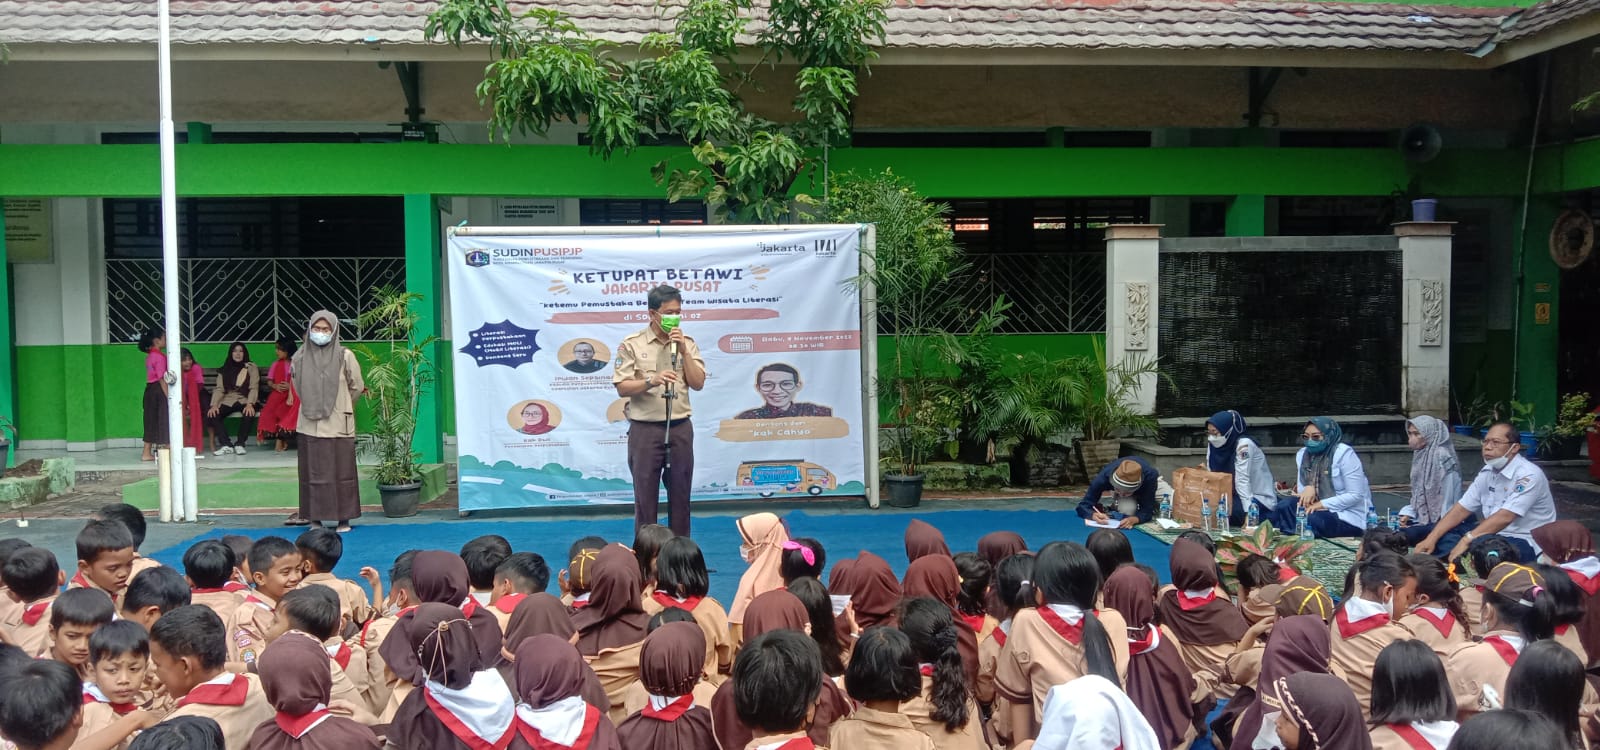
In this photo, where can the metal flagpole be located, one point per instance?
(169, 264)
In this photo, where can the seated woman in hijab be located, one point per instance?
(299, 684)
(1332, 484)
(551, 712)
(1230, 451)
(461, 704)
(670, 665)
(612, 627)
(1435, 481)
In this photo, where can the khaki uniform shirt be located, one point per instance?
(617, 668)
(29, 638)
(97, 717)
(1425, 631)
(1356, 656)
(353, 602)
(642, 355)
(1036, 658)
(378, 683)
(635, 697)
(870, 729)
(713, 622)
(251, 621)
(224, 603)
(237, 722)
(341, 422)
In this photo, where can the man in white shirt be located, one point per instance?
(1510, 493)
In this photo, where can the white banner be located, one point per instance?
(536, 320)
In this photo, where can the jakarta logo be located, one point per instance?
(477, 258)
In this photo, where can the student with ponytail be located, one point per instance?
(1569, 544)
(1437, 617)
(944, 709)
(1485, 553)
(1062, 639)
(1010, 592)
(1517, 611)
(1569, 610)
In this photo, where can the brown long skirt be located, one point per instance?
(328, 485)
(155, 414)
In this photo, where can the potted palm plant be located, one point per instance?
(912, 275)
(399, 373)
(1109, 413)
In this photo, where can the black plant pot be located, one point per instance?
(903, 490)
(1561, 448)
(400, 500)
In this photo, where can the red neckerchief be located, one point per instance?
(1189, 603)
(34, 613)
(460, 730)
(1443, 624)
(1150, 641)
(297, 726)
(509, 602)
(925, 669)
(234, 587)
(1348, 629)
(214, 694)
(252, 599)
(804, 743)
(591, 720)
(671, 711)
(341, 656)
(1589, 585)
(1073, 633)
(974, 621)
(1562, 629)
(1412, 737)
(81, 582)
(665, 600)
(580, 603)
(469, 607)
(122, 709)
(999, 636)
(1506, 651)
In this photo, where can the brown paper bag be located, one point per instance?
(1190, 484)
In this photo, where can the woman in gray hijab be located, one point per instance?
(1435, 477)
(328, 380)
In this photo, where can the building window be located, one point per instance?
(606, 212)
(1046, 255)
(251, 269)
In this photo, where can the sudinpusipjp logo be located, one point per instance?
(477, 258)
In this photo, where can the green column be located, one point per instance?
(8, 344)
(1247, 216)
(1538, 290)
(423, 259)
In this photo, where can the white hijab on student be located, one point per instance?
(1092, 713)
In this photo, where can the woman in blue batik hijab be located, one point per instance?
(1332, 484)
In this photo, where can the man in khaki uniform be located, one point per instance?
(646, 372)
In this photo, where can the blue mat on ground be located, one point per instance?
(880, 532)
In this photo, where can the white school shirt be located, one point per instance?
(1251, 476)
(1521, 488)
(1352, 493)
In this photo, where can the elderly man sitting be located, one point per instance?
(1510, 493)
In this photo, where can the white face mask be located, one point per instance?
(746, 553)
(1127, 507)
(321, 338)
(1267, 738)
(1216, 441)
(1389, 605)
(1498, 463)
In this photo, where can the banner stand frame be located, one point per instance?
(866, 293)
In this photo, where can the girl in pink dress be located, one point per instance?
(155, 392)
(282, 413)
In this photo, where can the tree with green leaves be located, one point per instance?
(684, 84)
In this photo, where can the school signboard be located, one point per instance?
(537, 314)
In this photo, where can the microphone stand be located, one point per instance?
(670, 394)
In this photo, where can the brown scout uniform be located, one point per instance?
(713, 621)
(617, 668)
(1036, 658)
(920, 709)
(251, 621)
(870, 729)
(1354, 648)
(1441, 632)
(238, 721)
(353, 602)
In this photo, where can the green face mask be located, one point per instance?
(669, 322)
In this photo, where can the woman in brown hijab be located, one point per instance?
(543, 614)
(670, 664)
(298, 682)
(1569, 545)
(1298, 644)
(1207, 626)
(936, 577)
(1159, 683)
(551, 712)
(776, 610)
(327, 379)
(611, 628)
(1321, 712)
(999, 545)
(922, 540)
(873, 589)
(460, 704)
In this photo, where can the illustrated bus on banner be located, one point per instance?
(768, 478)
